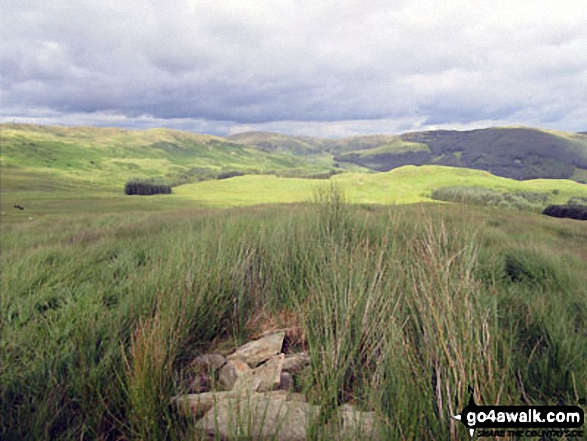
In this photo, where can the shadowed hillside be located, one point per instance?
(517, 153)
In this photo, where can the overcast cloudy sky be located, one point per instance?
(325, 68)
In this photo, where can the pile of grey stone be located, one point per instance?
(250, 394)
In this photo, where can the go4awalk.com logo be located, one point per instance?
(522, 421)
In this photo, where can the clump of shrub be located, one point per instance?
(145, 188)
(521, 200)
(578, 212)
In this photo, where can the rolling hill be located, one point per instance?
(517, 153)
(65, 156)
(114, 155)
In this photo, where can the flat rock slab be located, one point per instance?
(258, 416)
(199, 404)
(256, 352)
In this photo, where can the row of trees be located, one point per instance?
(145, 188)
(578, 212)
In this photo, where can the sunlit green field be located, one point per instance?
(42, 196)
(404, 185)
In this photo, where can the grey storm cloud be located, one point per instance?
(230, 65)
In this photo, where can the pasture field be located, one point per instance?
(43, 196)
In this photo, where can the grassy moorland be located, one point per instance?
(402, 308)
(105, 298)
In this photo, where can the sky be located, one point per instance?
(302, 67)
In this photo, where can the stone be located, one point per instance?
(208, 362)
(286, 381)
(199, 404)
(264, 378)
(231, 372)
(256, 352)
(199, 383)
(357, 424)
(286, 396)
(203, 371)
(295, 362)
(258, 416)
(269, 374)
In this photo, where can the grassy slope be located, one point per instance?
(86, 155)
(276, 142)
(407, 184)
(49, 171)
(396, 146)
(359, 145)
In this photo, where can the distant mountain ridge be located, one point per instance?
(519, 153)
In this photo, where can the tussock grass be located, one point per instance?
(402, 308)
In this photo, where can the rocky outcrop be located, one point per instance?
(259, 399)
(259, 416)
(258, 351)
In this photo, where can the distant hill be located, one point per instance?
(276, 142)
(70, 156)
(517, 153)
(113, 155)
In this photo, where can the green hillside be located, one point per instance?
(276, 142)
(109, 157)
(518, 153)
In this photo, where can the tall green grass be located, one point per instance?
(402, 309)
